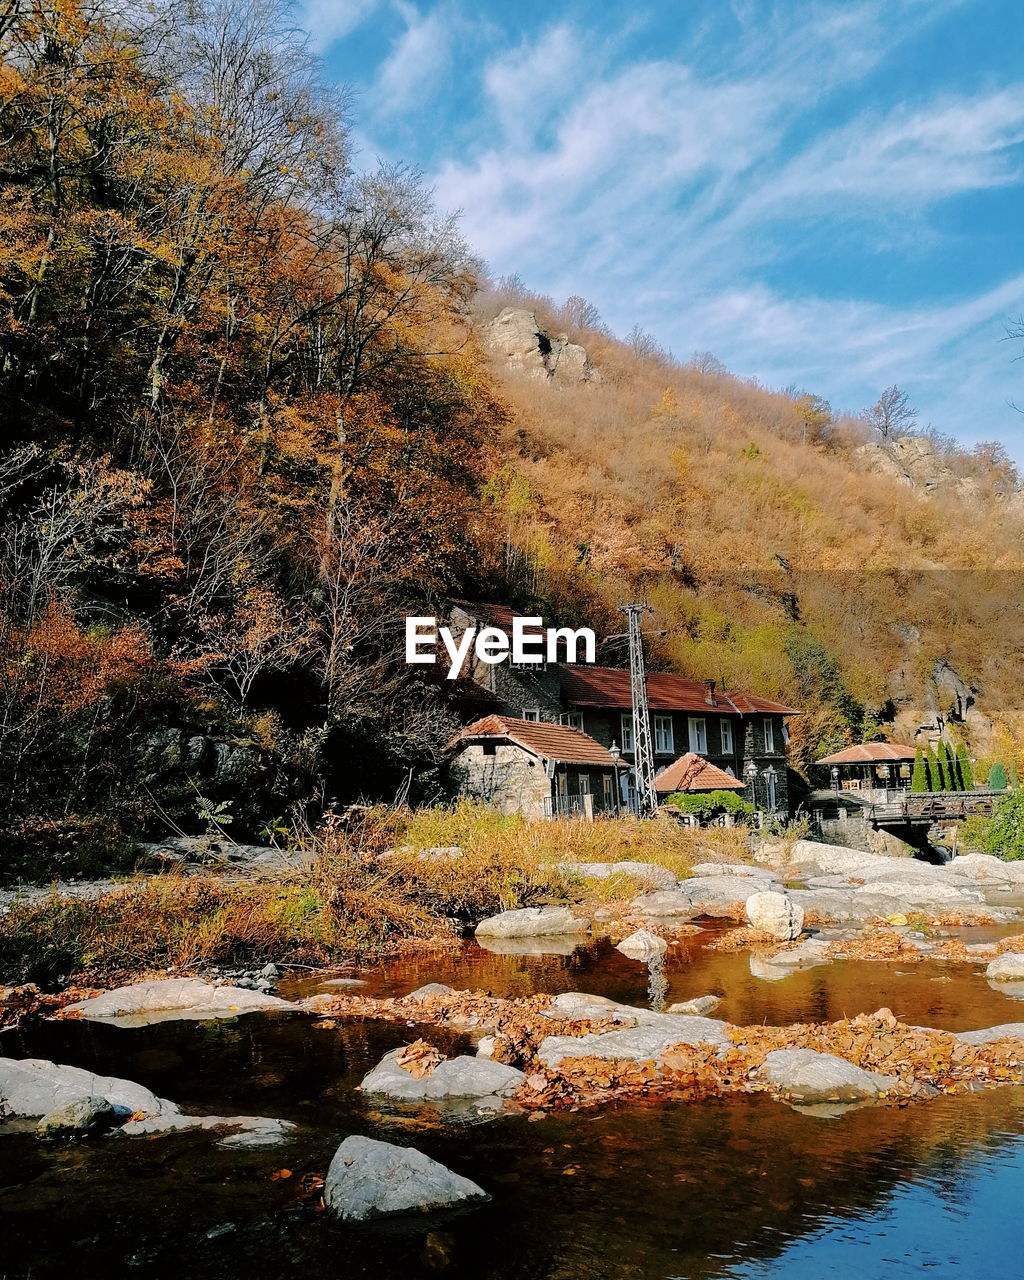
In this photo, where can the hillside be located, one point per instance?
(782, 549)
(255, 411)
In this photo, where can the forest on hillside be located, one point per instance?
(249, 424)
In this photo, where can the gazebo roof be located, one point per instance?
(871, 753)
(692, 772)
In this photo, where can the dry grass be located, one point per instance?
(359, 894)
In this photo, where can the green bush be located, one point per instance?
(1004, 833)
(709, 804)
(964, 769)
(919, 778)
(997, 777)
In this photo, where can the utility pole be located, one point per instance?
(643, 747)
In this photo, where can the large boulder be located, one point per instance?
(532, 922)
(369, 1179)
(802, 1075)
(721, 895)
(805, 955)
(36, 1087)
(814, 858)
(1009, 967)
(80, 1118)
(638, 1044)
(642, 946)
(985, 867)
(462, 1077)
(775, 914)
(174, 998)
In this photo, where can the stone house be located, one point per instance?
(537, 768)
(743, 735)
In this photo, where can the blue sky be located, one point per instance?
(821, 194)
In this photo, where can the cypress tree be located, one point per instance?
(963, 762)
(932, 763)
(997, 777)
(919, 776)
(948, 761)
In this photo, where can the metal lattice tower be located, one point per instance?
(643, 746)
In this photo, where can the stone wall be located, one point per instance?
(508, 778)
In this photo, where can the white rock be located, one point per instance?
(462, 1077)
(370, 1179)
(638, 1044)
(79, 1118)
(532, 922)
(36, 1087)
(775, 914)
(649, 873)
(429, 989)
(642, 945)
(703, 869)
(1008, 967)
(1005, 1031)
(664, 903)
(174, 998)
(802, 1075)
(698, 1007)
(244, 1131)
(983, 866)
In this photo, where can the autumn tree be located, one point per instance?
(892, 413)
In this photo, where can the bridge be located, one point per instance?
(908, 808)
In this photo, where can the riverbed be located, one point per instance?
(743, 1187)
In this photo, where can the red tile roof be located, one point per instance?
(585, 686)
(870, 753)
(549, 741)
(496, 615)
(692, 772)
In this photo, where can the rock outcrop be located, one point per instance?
(462, 1077)
(516, 335)
(642, 945)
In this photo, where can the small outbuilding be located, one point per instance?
(692, 773)
(535, 768)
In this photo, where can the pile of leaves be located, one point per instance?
(19, 1003)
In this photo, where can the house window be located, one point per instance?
(727, 747)
(584, 784)
(769, 778)
(531, 713)
(573, 719)
(490, 748)
(698, 736)
(663, 742)
(626, 727)
(769, 737)
(606, 787)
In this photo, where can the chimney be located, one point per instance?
(709, 693)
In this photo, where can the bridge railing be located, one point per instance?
(923, 806)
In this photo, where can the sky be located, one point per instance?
(826, 195)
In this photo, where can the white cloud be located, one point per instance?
(417, 59)
(330, 20)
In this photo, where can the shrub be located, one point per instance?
(919, 778)
(997, 777)
(1004, 833)
(709, 804)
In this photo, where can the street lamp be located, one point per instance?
(751, 780)
(614, 752)
(835, 778)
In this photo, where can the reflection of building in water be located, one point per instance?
(657, 982)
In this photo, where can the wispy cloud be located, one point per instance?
(328, 21)
(417, 60)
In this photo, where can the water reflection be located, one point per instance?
(742, 1188)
